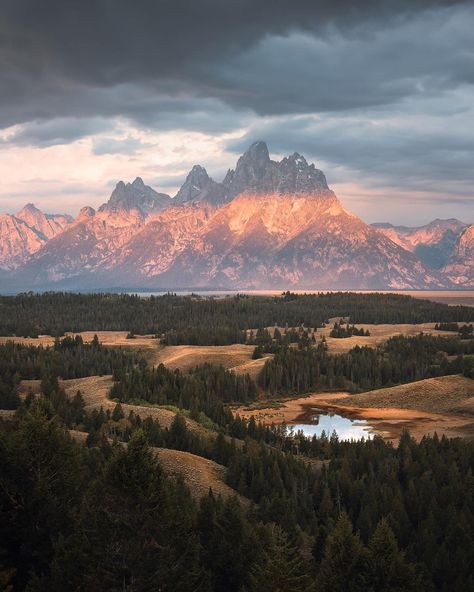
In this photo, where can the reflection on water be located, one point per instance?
(346, 429)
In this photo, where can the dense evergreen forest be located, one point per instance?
(368, 517)
(400, 359)
(205, 389)
(311, 515)
(69, 357)
(299, 365)
(209, 321)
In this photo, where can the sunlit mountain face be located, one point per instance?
(150, 103)
(267, 224)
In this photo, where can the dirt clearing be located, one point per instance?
(378, 334)
(199, 473)
(237, 357)
(444, 394)
(95, 390)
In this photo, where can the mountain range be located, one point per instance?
(268, 224)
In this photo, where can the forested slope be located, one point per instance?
(196, 320)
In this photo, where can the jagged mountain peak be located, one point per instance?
(270, 223)
(199, 187)
(29, 207)
(197, 170)
(31, 214)
(296, 175)
(26, 232)
(85, 213)
(136, 196)
(46, 225)
(256, 172)
(433, 243)
(298, 159)
(198, 175)
(257, 153)
(138, 183)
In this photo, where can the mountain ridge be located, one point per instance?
(460, 267)
(25, 232)
(433, 243)
(268, 224)
(136, 195)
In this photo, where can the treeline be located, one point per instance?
(106, 517)
(352, 516)
(341, 331)
(400, 359)
(213, 320)
(267, 342)
(218, 335)
(464, 331)
(370, 480)
(67, 358)
(206, 389)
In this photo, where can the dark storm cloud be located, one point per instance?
(56, 131)
(418, 152)
(380, 92)
(108, 41)
(143, 104)
(369, 67)
(115, 57)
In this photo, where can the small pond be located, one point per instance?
(346, 429)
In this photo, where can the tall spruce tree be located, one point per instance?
(388, 569)
(281, 567)
(343, 567)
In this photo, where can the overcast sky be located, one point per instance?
(380, 95)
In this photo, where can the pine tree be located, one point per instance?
(233, 548)
(40, 481)
(135, 531)
(343, 567)
(117, 413)
(281, 567)
(388, 569)
(178, 434)
(77, 408)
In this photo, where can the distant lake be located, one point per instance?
(346, 429)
